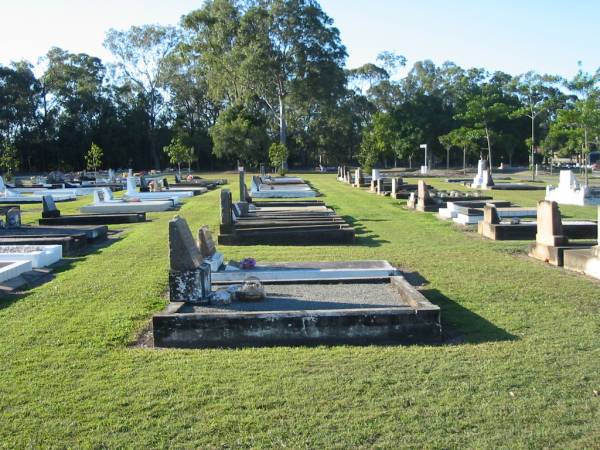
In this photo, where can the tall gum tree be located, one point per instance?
(143, 53)
(269, 50)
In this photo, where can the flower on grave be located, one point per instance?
(248, 263)
(189, 178)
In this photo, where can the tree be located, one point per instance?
(484, 110)
(142, 54)
(239, 134)
(537, 95)
(278, 155)
(9, 159)
(93, 158)
(269, 51)
(179, 153)
(462, 138)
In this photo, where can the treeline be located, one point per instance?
(237, 76)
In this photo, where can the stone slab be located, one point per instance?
(307, 272)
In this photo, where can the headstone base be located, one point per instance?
(190, 286)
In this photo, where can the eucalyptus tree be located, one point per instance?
(463, 138)
(268, 51)
(142, 54)
(538, 94)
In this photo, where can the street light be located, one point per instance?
(424, 168)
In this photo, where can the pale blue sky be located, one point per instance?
(514, 36)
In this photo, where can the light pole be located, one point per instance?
(424, 168)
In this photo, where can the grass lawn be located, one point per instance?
(520, 368)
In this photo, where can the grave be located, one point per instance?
(13, 196)
(280, 187)
(343, 311)
(168, 187)
(175, 197)
(492, 227)
(51, 216)
(289, 223)
(104, 203)
(426, 200)
(39, 255)
(453, 207)
(586, 261)
(570, 192)
(550, 240)
(12, 269)
(197, 182)
(466, 215)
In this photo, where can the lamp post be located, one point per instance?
(424, 168)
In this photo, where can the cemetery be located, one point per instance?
(182, 266)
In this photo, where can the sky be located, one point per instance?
(548, 36)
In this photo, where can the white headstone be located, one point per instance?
(131, 185)
(375, 174)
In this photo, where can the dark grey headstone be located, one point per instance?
(226, 205)
(49, 207)
(183, 252)
(13, 218)
(207, 244)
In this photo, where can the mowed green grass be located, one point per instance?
(519, 369)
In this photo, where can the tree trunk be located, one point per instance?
(532, 148)
(282, 122)
(489, 144)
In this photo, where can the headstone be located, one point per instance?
(111, 175)
(263, 171)
(379, 185)
(490, 214)
(395, 185)
(183, 252)
(483, 179)
(130, 173)
(98, 196)
(49, 207)
(423, 198)
(242, 175)
(375, 174)
(13, 218)
(207, 244)
(189, 277)
(165, 183)
(226, 202)
(358, 178)
(242, 209)
(2, 185)
(549, 225)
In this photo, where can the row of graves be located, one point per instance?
(287, 222)
(389, 185)
(27, 253)
(572, 244)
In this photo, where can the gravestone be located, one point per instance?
(13, 218)
(358, 178)
(242, 176)
(423, 197)
(263, 172)
(483, 179)
(49, 207)
(490, 215)
(549, 225)
(226, 205)
(207, 244)
(189, 277)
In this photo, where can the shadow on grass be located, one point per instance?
(364, 236)
(462, 326)
(39, 277)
